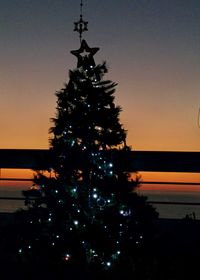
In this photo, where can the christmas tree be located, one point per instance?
(87, 214)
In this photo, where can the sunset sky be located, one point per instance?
(152, 48)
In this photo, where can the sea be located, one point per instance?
(172, 202)
(154, 193)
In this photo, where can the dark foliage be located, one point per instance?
(88, 213)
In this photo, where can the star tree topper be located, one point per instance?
(85, 55)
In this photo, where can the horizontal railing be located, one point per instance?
(150, 161)
(142, 182)
(11, 198)
(155, 161)
(16, 179)
(149, 201)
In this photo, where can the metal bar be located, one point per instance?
(11, 198)
(148, 201)
(173, 202)
(16, 179)
(170, 183)
(142, 182)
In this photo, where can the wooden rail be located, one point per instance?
(154, 161)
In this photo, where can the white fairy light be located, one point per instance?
(95, 195)
(108, 263)
(67, 257)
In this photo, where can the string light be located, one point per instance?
(67, 257)
(108, 264)
(95, 195)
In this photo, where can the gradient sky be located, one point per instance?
(152, 48)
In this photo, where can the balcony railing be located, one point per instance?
(154, 161)
(139, 161)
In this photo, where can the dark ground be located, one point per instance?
(174, 255)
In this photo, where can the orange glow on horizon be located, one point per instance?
(16, 173)
(145, 177)
(169, 177)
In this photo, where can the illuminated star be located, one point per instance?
(85, 55)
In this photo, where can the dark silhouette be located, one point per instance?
(87, 214)
(87, 217)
